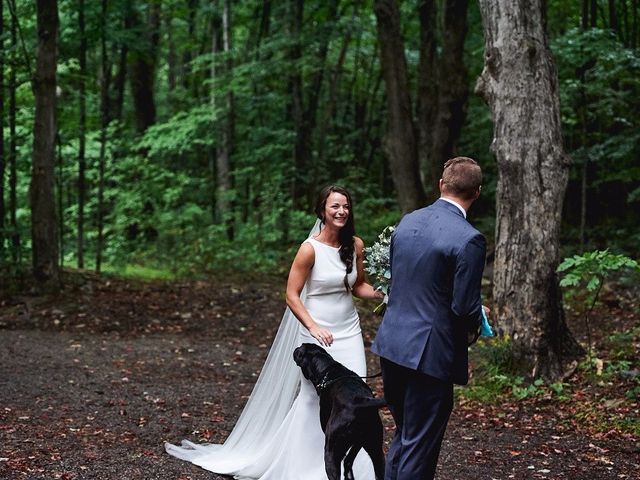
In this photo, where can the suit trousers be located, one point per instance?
(421, 406)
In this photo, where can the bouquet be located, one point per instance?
(377, 264)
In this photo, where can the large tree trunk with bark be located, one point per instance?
(442, 88)
(143, 60)
(427, 97)
(44, 235)
(452, 84)
(519, 82)
(400, 140)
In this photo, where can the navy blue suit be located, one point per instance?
(437, 259)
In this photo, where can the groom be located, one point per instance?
(437, 259)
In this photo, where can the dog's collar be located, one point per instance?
(326, 383)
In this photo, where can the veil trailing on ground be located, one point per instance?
(268, 405)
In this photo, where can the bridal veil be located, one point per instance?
(266, 408)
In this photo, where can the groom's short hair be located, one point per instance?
(462, 177)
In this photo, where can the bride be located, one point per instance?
(278, 435)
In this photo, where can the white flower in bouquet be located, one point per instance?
(377, 264)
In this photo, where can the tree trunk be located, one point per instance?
(44, 236)
(192, 6)
(171, 59)
(226, 133)
(2, 156)
(452, 85)
(105, 78)
(143, 65)
(297, 103)
(119, 83)
(613, 19)
(82, 137)
(13, 170)
(427, 98)
(400, 140)
(520, 84)
(309, 171)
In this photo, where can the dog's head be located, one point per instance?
(313, 360)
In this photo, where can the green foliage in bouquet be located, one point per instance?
(377, 264)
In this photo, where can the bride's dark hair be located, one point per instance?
(347, 233)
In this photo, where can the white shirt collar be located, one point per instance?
(464, 212)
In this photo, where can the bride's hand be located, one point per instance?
(378, 295)
(323, 335)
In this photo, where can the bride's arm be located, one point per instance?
(362, 289)
(300, 269)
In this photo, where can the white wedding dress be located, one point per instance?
(278, 436)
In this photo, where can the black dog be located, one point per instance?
(348, 412)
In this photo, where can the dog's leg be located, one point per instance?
(332, 459)
(348, 462)
(373, 446)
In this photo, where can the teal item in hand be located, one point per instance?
(485, 328)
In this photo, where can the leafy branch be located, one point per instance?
(589, 271)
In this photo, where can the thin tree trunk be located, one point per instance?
(225, 147)
(613, 18)
(297, 103)
(171, 59)
(60, 188)
(2, 156)
(192, 6)
(634, 25)
(13, 170)
(119, 83)
(43, 205)
(400, 139)
(105, 77)
(82, 137)
(532, 177)
(311, 111)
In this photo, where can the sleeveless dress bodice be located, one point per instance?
(328, 300)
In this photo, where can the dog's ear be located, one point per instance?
(298, 354)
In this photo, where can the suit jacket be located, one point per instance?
(437, 259)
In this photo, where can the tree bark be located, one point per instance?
(452, 83)
(192, 6)
(143, 59)
(297, 101)
(400, 139)
(13, 170)
(82, 137)
(427, 98)
(520, 84)
(2, 156)
(226, 132)
(105, 78)
(119, 83)
(44, 235)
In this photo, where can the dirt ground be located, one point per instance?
(93, 381)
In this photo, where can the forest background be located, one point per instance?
(192, 136)
(185, 140)
(177, 139)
